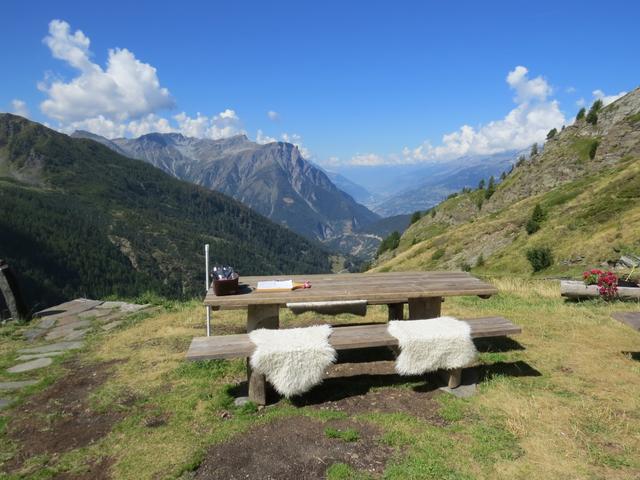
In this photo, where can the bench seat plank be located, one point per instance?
(342, 338)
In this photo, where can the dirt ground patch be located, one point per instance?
(59, 418)
(366, 382)
(391, 400)
(294, 448)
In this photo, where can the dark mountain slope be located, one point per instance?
(273, 179)
(78, 219)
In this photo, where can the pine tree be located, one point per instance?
(534, 150)
(491, 188)
(552, 133)
(415, 217)
(581, 114)
(481, 185)
(592, 116)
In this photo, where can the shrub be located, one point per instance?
(532, 226)
(415, 217)
(491, 188)
(592, 116)
(465, 267)
(479, 202)
(480, 261)
(593, 149)
(552, 133)
(521, 160)
(433, 212)
(438, 254)
(481, 184)
(537, 217)
(389, 243)
(540, 258)
(581, 114)
(534, 150)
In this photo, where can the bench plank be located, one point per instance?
(342, 338)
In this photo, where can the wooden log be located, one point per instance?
(577, 289)
(260, 316)
(420, 308)
(11, 293)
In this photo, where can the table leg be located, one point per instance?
(421, 308)
(260, 316)
(396, 311)
(453, 378)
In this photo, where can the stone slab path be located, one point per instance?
(632, 319)
(31, 365)
(8, 386)
(61, 328)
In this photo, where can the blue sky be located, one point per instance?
(351, 82)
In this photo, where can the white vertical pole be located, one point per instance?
(206, 285)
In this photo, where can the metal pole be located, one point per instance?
(206, 285)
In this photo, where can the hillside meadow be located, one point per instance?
(558, 401)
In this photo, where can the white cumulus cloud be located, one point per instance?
(225, 124)
(529, 122)
(121, 99)
(19, 107)
(263, 138)
(607, 99)
(125, 89)
(273, 115)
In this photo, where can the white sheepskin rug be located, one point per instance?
(292, 360)
(432, 344)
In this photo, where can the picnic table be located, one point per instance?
(422, 291)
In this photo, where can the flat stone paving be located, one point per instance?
(31, 365)
(632, 319)
(7, 386)
(64, 325)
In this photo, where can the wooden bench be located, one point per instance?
(343, 338)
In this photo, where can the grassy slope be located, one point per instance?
(593, 212)
(588, 221)
(577, 417)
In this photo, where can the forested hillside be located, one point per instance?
(77, 219)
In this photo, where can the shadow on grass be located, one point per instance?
(339, 388)
(507, 369)
(497, 344)
(632, 355)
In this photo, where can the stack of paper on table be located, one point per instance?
(275, 286)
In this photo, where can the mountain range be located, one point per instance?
(577, 201)
(273, 179)
(79, 219)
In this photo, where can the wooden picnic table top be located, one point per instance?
(376, 288)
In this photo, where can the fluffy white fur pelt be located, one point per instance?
(292, 360)
(432, 344)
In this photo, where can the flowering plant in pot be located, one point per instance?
(590, 277)
(607, 282)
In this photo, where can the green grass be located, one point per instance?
(548, 409)
(346, 435)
